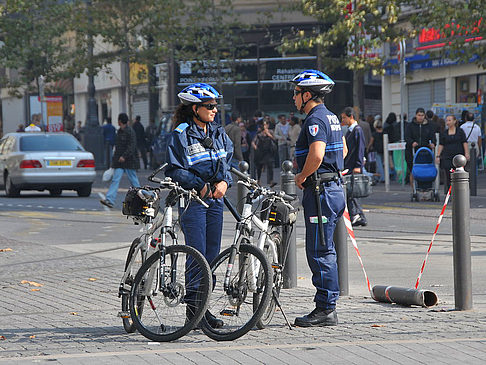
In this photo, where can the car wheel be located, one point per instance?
(10, 189)
(55, 192)
(84, 191)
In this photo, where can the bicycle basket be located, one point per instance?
(279, 214)
(134, 206)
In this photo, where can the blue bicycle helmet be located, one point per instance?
(198, 93)
(314, 81)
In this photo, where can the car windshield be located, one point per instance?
(49, 142)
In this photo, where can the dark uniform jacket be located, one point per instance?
(191, 164)
(355, 141)
(321, 125)
(126, 146)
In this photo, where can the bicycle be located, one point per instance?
(169, 294)
(248, 296)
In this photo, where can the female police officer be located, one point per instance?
(199, 155)
(319, 152)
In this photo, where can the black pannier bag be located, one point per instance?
(279, 214)
(133, 205)
(357, 185)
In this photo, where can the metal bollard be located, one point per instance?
(242, 190)
(341, 243)
(461, 238)
(287, 184)
(473, 165)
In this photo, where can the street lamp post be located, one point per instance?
(93, 135)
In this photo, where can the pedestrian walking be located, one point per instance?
(109, 137)
(419, 133)
(151, 136)
(354, 161)
(293, 135)
(265, 148)
(376, 146)
(234, 133)
(199, 157)
(141, 141)
(282, 130)
(452, 142)
(319, 152)
(124, 160)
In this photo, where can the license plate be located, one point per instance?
(59, 163)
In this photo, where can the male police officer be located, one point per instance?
(319, 151)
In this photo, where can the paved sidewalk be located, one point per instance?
(72, 318)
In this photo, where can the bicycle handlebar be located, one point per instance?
(155, 172)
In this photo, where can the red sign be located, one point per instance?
(432, 35)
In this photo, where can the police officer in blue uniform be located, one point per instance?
(319, 151)
(199, 157)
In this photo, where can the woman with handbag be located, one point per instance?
(452, 141)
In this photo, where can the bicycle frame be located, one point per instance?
(244, 223)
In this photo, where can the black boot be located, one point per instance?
(210, 318)
(318, 318)
(213, 321)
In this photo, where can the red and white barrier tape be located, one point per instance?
(433, 237)
(349, 228)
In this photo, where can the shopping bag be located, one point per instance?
(108, 174)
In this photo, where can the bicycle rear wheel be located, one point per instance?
(251, 274)
(137, 256)
(181, 290)
(275, 260)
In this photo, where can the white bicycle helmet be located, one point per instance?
(314, 81)
(198, 93)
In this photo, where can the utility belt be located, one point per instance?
(323, 178)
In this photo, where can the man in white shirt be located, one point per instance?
(473, 135)
(282, 135)
(32, 128)
(473, 132)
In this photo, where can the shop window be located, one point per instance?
(481, 88)
(466, 89)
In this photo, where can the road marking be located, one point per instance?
(262, 347)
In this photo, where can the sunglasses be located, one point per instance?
(210, 106)
(297, 92)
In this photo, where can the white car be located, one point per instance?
(45, 161)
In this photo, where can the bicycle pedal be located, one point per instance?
(228, 313)
(123, 314)
(276, 266)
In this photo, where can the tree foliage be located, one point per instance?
(351, 33)
(460, 24)
(35, 41)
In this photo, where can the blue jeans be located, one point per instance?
(115, 183)
(379, 167)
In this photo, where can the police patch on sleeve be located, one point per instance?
(313, 129)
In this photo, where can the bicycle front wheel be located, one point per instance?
(175, 289)
(251, 274)
(273, 252)
(135, 259)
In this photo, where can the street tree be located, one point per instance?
(350, 34)
(213, 33)
(131, 32)
(35, 43)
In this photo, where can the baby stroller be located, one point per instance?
(424, 173)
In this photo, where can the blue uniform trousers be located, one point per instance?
(202, 229)
(322, 259)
